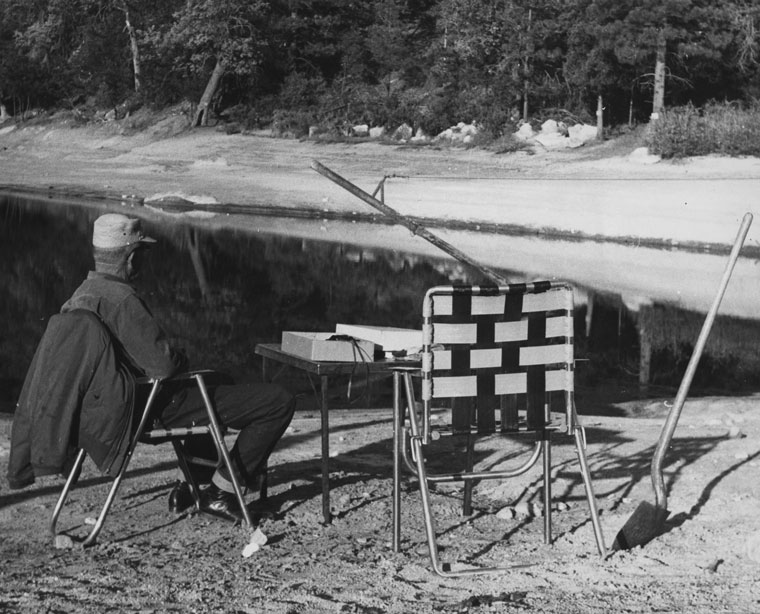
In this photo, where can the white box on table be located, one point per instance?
(319, 347)
(390, 338)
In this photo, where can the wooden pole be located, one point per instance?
(416, 228)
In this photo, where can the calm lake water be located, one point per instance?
(220, 284)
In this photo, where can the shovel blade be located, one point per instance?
(643, 526)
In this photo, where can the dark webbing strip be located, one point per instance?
(461, 311)
(461, 307)
(536, 374)
(460, 360)
(462, 410)
(510, 362)
(541, 286)
(537, 328)
(489, 290)
(485, 331)
(486, 403)
(536, 396)
(513, 306)
(509, 414)
(486, 384)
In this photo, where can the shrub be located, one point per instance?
(717, 128)
(294, 124)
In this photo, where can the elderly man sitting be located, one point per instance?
(261, 412)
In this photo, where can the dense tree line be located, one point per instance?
(430, 63)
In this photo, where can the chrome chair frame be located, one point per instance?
(418, 434)
(158, 435)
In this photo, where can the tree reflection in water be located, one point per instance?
(216, 292)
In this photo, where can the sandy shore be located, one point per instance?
(598, 190)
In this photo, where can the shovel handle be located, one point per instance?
(683, 390)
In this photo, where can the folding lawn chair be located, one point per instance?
(155, 433)
(500, 355)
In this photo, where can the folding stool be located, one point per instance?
(157, 434)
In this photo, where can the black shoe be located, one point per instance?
(181, 498)
(221, 503)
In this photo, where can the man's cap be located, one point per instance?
(114, 230)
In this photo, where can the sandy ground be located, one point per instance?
(148, 561)
(707, 560)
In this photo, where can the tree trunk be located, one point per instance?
(3, 111)
(599, 119)
(658, 104)
(201, 115)
(136, 65)
(526, 65)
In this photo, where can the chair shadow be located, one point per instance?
(606, 464)
(34, 492)
(360, 464)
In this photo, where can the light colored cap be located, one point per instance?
(114, 230)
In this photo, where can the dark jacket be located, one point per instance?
(76, 394)
(130, 322)
(79, 390)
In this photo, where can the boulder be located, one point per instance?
(552, 140)
(580, 134)
(641, 155)
(525, 132)
(403, 133)
(419, 136)
(461, 133)
(550, 127)
(468, 129)
(360, 130)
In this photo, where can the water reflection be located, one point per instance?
(222, 284)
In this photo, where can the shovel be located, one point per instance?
(647, 520)
(416, 228)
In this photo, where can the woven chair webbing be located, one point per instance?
(501, 349)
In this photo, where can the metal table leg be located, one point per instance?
(396, 461)
(325, 428)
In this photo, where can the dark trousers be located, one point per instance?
(261, 412)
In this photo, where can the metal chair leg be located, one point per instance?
(580, 446)
(90, 539)
(469, 484)
(430, 529)
(70, 481)
(547, 473)
(216, 432)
